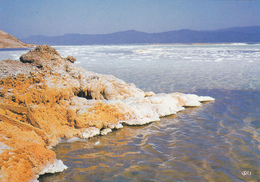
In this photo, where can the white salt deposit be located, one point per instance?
(190, 100)
(105, 131)
(55, 167)
(148, 109)
(90, 132)
(115, 126)
(205, 98)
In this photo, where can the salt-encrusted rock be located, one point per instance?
(192, 100)
(205, 98)
(55, 167)
(85, 83)
(90, 132)
(115, 126)
(13, 68)
(149, 109)
(149, 94)
(46, 97)
(105, 131)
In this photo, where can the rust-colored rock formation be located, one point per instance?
(45, 97)
(8, 41)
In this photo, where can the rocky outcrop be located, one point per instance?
(44, 56)
(8, 41)
(45, 97)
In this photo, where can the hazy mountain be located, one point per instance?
(229, 35)
(9, 41)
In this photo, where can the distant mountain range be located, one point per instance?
(185, 36)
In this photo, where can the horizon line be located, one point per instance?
(133, 30)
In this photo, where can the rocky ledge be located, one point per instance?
(44, 98)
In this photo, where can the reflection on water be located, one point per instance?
(216, 142)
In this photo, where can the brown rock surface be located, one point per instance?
(9, 41)
(71, 59)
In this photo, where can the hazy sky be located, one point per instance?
(22, 18)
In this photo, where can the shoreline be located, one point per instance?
(45, 98)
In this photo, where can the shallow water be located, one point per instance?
(216, 142)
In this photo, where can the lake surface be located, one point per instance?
(219, 141)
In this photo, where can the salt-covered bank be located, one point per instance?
(45, 97)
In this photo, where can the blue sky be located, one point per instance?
(23, 18)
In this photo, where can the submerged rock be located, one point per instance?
(47, 97)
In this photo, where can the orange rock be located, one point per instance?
(26, 155)
(56, 99)
(100, 116)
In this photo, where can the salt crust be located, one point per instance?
(90, 132)
(142, 110)
(55, 167)
(137, 106)
(105, 131)
(145, 111)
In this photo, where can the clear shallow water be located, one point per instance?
(216, 142)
